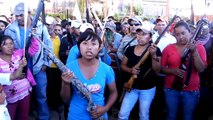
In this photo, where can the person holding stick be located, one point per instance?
(38, 63)
(94, 74)
(18, 92)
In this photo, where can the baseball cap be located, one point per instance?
(19, 9)
(161, 19)
(76, 23)
(86, 26)
(110, 25)
(136, 19)
(146, 28)
(50, 20)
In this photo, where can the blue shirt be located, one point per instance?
(22, 40)
(96, 85)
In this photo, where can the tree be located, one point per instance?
(138, 10)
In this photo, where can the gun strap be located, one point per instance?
(42, 34)
(128, 44)
(189, 72)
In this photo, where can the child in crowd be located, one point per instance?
(18, 92)
(94, 74)
(5, 79)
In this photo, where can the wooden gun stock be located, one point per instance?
(128, 85)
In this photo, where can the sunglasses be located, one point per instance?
(137, 24)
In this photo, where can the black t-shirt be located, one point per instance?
(141, 83)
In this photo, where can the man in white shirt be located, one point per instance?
(166, 39)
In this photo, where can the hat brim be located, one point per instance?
(144, 30)
(112, 29)
(18, 12)
(161, 19)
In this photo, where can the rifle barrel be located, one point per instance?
(194, 37)
(164, 31)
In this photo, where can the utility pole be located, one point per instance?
(131, 9)
(192, 14)
(168, 9)
(87, 12)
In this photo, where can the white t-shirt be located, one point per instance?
(164, 41)
(4, 80)
(4, 114)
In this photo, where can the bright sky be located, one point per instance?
(180, 5)
(31, 3)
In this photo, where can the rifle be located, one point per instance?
(178, 82)
(33, 25)
(132, 79)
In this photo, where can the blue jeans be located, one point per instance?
(186, 99)
(40, 95)
(145, 99)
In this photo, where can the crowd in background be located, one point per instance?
(104, 60)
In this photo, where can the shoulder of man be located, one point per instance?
(12, 26)
(127, 38)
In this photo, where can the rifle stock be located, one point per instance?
(128, 85)
(132, 79)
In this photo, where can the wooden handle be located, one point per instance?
(128, 85)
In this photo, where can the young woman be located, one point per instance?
(94, 74)
(144, 86)
(18, 92)
(187, 96)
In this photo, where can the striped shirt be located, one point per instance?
(19, 88)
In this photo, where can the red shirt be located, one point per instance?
(172, 59)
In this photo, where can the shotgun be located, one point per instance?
(178, 82)
(39, 10)
(128, 85)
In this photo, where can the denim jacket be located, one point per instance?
(40, 58)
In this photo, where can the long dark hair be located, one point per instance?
(3, 38)
(182, 23)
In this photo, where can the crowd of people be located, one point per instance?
(121, 65)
